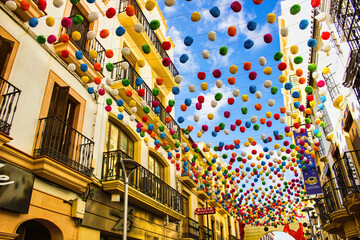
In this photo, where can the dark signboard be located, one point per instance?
(15, 188)
(205, 211)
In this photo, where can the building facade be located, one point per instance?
(63, 132)
(335, 26)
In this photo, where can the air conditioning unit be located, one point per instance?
(78, 208)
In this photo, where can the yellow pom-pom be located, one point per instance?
(50, 21)
(282, 79)
(326, 70)
(258, 158)
(141, 63)
(146, 139)
(249, 157)
(204, 86)
(195, 16)
(76, 35)
(132, 103)
(294, 115)
(271, 18)
(157, 119)
(312, 103)
(276, 146)
(210, 116)
(268, 114)
(241, 166)
(282, 149)
(317, 121)
(246, 144)
(294, 49)
(199, 134)
(150, 5)
(250, 139)
(85, 79)
(121, 109)
(267, 71)
(233, 69)
(245, 98)
(93, 54)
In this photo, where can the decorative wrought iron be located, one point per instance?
(346, 174)
(58, 140)
(9, 98)
(207, 233)
(152, 35)
(191, 229)
(131, 74)
(332, 200)
(142, 180)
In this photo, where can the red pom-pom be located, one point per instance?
(141, 92)
(315, 3)
(97, 67)
(166, 45)
(130, 10)
(238, 122)
(252, 75)
(310, 98)
(111, 12)
(24, 5)
(144, 119)
(168, 109)
(325, 35)
(282, 66)
(276, 116)
(42, 5)
(242, 129)
(64, 53)
(268, 38)
(201, 99)
(166, 61)
(216, 73)
(201, 75)
(231, 101)
(236, 6)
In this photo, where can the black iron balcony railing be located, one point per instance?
(9, 97)
(58, 140)
(332, 86)
(328, 128)
(332, 200)
(142, 180)
(323, 213)
(152, 35)
(356, 86)
(346, 174)
(206, 233)
(85, 45)
(232, 237)
(132, 75)
(191, 229)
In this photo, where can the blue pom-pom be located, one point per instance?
(175, 90)
(312, 42)
(90, 1)
(79, 55)
(295, 94)
(321, 106)
(276, 133)
(184, 58)
(221, 144)
(33, 22)
(215, 12)
(186, 149)
(214, 134)
(120, 102)
(266, 149)
(181, 119)
(288, 86)
(251, 26)
(83, 67)
(188, 102)
(248, 44)
(156, 142)
(303, 24)
(120, 31)
(91, 90)
(151, 127)
(323, 99)
(157, 110)
(120, 116)
(297, 104)
(139, 81)
(188, 41)
(252, 89)
(162, 135)
(247, 124)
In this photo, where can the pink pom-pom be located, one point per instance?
(101, 92)
(166, 61)
(268, 38)
(108, 108)
(216, 73)
(51, 39)
(66, 22)
(236, 6)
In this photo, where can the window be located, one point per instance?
(82, 28)
(117, 139)
(156, 167)
(6, 47)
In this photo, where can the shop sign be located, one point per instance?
(205, 211)
(311, 177)
(15, 188)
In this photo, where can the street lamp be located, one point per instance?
(128, 167)
(308, 210)
(308, 235)
(314, 219)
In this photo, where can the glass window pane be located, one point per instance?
(131, 148)
(157, 169)
(124, 142)
(114, 138)
(151, 164)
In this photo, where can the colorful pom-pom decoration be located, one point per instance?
(223, 51)
(184, 58)
(325, 35)
(271, 18)
(33, 22)
(248, 44)
(150, 5)
(130, 10)
(188, 41)
(154, 24)
(120, 31)
(295, 9)
(215, 12)
(232, 31)
(236, 6)
(251, 25)
(195, 16)
(268, 38)
(303, 24)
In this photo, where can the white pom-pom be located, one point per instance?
(271, 152)
(263, 136)
(178, 79)
(114, 92)
(192, 88)
(206, 54)
(321, 17)
(253, 119)
(91, 35)
(271, 102)
(258, 94)
(196, 118)
(138, 27)
(71, 67)
(93, 16)
(132, 118)
(11, 5)
(143, 103)
(243, 154)
(236, 92)
(315, 75)
(184, 144)
(319, 115)
(175, 128)
(282, 119)
(170, 3)
(213, 103)
(227, 131)
(219, 83)
(267, 84)
(212, 36)
(284, 31)
(208, 145)
(58, 3)
(124, 65)
(322, 92)
(125, 51)
(133, 109)
(262, 61)
(126, 122)
(326, 48)
(109, 81)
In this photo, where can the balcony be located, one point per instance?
(206, 233)
(148, 36)
(33, 11)
(146, 190)
(8, 103)
(191, 229)
(84, 46)
(202, 193)
(131, 74)
(347, 177)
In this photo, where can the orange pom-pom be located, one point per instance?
(237, 141)
(299, 72)
(104, 33)
(109, 53)
(258, 106)
(283, 109)
(257, 2)
(97, 80)
(183, 107)
(247, 66)
(97, 66)
(153, 135)
(190, 128)
(231, 80)
(232, 31)
(64, 38)
(253, 143)
(262, 120)
(302, 80)
(168, 119)
(130, 10)
(24, 5)
(128, 93)
(159, 81)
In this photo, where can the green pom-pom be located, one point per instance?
(77, 19)
(223, 51)
(322, 124)
(256, 127)
(295, 9)
(239, 159)
(167, 147)
(278, 56)
(146, 48)
(215, 148)
(244, 110)
(186, 132)
(162, 128)
(307, 120)
(155, 92)
(175, 136)
(274, 90)
(142, 134)
(109, 101)
(298, 60)
(125, 82)
(171, 103)
(218, 96)
(224, 156)
(41, 39)
(177, 144)
(283, 158)
(309, 89)
(312, 67)
(109, 67)
(292, 146)
(74, 1)
(281, 137)
(222, 126)
(154, 24)
(146, 109)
